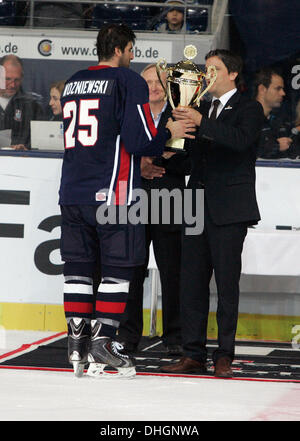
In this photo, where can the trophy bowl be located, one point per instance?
(185, 85)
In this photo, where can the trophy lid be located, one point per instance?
(190, 51)
(187, 65)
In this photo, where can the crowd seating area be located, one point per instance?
(8, 13)
(147, 17)
(137, 15)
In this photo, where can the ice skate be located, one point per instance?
(78, 341)
(104, 352)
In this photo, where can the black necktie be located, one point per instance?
(215, 108)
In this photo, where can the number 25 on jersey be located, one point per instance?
(88, 135)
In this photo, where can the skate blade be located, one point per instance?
(97, 370)
(128, 373)
(78, 369)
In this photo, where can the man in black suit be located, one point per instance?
(158, 173)
(223, 165)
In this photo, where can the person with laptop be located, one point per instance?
(54, 103)
(17, 107)
(48, 135)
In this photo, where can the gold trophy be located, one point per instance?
(185, 85)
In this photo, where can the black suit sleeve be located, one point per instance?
(178, 164)
(237, 137)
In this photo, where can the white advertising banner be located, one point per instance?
(31, 268)
(82, 49)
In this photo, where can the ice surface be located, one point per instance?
(30, 395)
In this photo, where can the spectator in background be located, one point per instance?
(297, 120)
(18, 108)
(295, 131)
(12, 13)
(55, 94)
(173, 18)
(58, 15)
(276, 140)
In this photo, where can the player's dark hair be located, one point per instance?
(233, 62)
(112, 36)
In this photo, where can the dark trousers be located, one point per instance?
(167, 252)
(217, 249)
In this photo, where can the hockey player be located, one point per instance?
(107, 128)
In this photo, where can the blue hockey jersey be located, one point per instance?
(107, 127)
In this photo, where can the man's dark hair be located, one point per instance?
(112, 36)
(233, 62)
(264, 77)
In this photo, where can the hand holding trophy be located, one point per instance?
(185, 85)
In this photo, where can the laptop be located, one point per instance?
(47, 135)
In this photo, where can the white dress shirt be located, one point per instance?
(4, 102)
(156, 120)
(223, 101)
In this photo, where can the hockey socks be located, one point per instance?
(110, 304)
(78, 290)
(78, 297)
(111, 298)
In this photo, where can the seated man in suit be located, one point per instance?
(158, 173)
(223, 159)
(17, 107)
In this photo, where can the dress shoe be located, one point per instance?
(223, 368)
(174, 349)
(185, 365)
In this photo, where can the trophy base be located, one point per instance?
(175, 145)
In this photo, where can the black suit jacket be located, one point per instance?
(21, 109)
(176, 168)
(223, 160)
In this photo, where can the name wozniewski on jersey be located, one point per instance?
(102, 87)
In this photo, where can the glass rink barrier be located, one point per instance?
(191, 15)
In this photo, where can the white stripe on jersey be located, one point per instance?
(144, 122)
(112, 181)
(130, 181)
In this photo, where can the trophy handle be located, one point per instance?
(212, 75)
(161, 65)
(169, 95)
